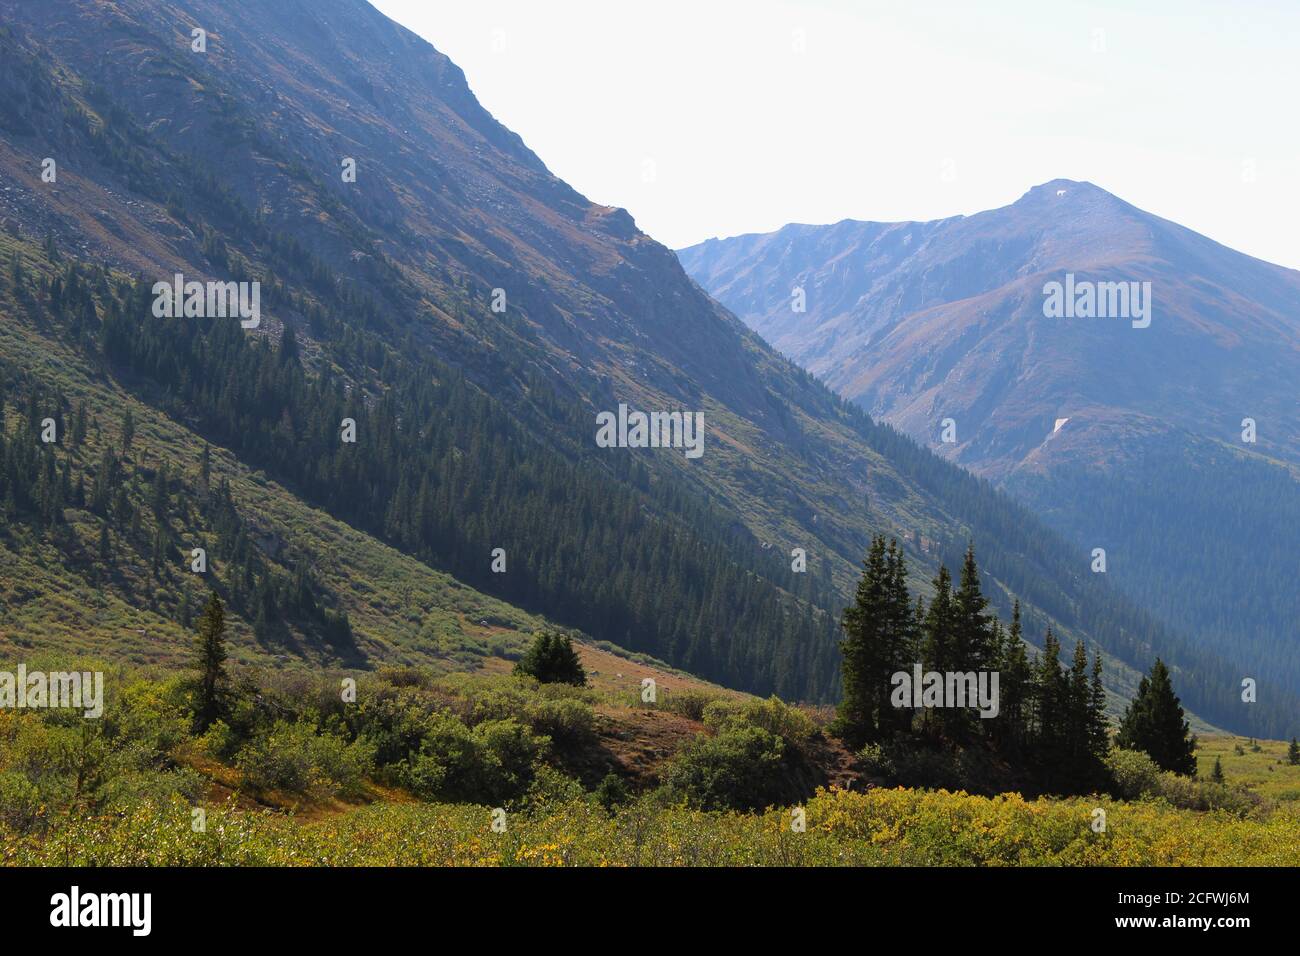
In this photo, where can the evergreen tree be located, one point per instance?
(214, 683)
(128, 431)
(879, 642)
(1016, 686)
(972, 631)
(1155, 724)
(1078, 722)
(1098, 725)
(552, 660)
(1083, 736)
(79, 425)
(288, 345)
(901, 650)
(939, 652)
(1050, 699)
(1217, 774)
(1293, 753)
(864, 652)
(205, 472)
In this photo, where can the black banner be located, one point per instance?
(930, 905)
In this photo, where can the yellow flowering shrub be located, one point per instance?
(879, 827)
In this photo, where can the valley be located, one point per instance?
(405, 507)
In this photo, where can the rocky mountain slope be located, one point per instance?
(1124, 435)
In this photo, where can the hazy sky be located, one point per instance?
(718, 117)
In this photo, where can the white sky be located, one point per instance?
(1186, 109)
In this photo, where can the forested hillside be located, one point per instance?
(101, 521)
(1207, 538)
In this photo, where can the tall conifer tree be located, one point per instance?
(213, 686)
(865, 651)
(1155, 724)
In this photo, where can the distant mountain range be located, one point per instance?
(1128, 438)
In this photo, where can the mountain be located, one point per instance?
(1122, 435)
(473, 317)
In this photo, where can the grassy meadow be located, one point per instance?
(880, 827)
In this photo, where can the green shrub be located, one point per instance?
(492, 763)
(394, 721)
(1136, 777)
(503, 702)
(902, 762)
(721, 712)
(612, 792)
(65, 763)
(20, 802)
(343, 766)
(738, 769)
(295, 758)
(219, 741)
(691, 704)
(565, 692)
(1187, 793)
(928, 768)
(877, 762)
(42, 749)
(773, 715)
(445, 766)
(567, 722)
(776, 716)
(279, 759)
(127, 790)
(1134, 773)
(511, 750)
(154, 714)
(551, 786)
(404, 676)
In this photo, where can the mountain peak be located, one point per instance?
(1054, 185)
(1070, 190)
